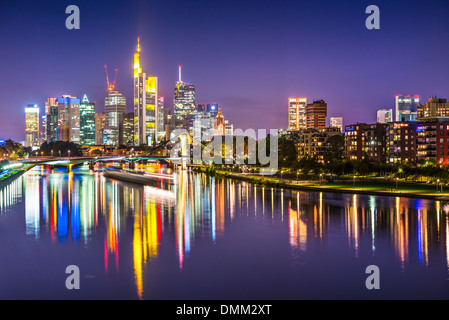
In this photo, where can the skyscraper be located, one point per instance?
(406, 107)
(69, 119)
(87, 122)
(297, 114)
(316, 113)
(115, 109)
(184, 99)
(336, 122)
(219, 125)
(31, 125)
(100, 120)
(384, 115)
(145, 104)
(128, 129)
(51, 120)
(160, 121)
(212, 109)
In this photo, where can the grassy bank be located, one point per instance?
(13, 174)
(373, 186)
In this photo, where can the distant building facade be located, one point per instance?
(32, 125)
(87, 122)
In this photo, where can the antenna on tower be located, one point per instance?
(179, 73)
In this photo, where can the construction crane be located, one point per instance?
(111, 86)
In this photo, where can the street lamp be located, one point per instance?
(281, 174)
(437, 184)
(69, 154)
(353, 182)
(396, 184)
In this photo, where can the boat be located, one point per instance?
(157, 180)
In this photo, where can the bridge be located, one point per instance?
(72, 162)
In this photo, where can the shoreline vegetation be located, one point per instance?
(11, 176)
(345, 184)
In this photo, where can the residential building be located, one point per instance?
(433, 108)
(401, 142)
(384, 115)
(316, 114)
(297, 114)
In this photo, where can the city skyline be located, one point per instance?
(349, 66)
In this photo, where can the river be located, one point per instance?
(213, 238)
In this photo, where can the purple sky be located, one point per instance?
(249, 56)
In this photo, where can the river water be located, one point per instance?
(211, 238)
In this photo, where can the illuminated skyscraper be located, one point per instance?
(406, 107)
(51, 120)
(100, 120)
(31, 125)
(87, 122)
(68, 119)
(128, 129)
(160, 119)
(184, 99)
(145, 104)
(297, 114)
(115, 109)
(219, 125)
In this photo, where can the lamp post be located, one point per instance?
(396, 184)
(353, 182)
(437, 184)
(69, 154)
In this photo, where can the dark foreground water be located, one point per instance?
(214, 239)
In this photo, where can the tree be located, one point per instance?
(335, 149)
(288, 154)
(56, 148)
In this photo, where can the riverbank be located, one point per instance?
(7, 179)
(359, 186)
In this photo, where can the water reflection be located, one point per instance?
(84, 207)
(10, 195)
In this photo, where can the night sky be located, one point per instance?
(249, 56)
